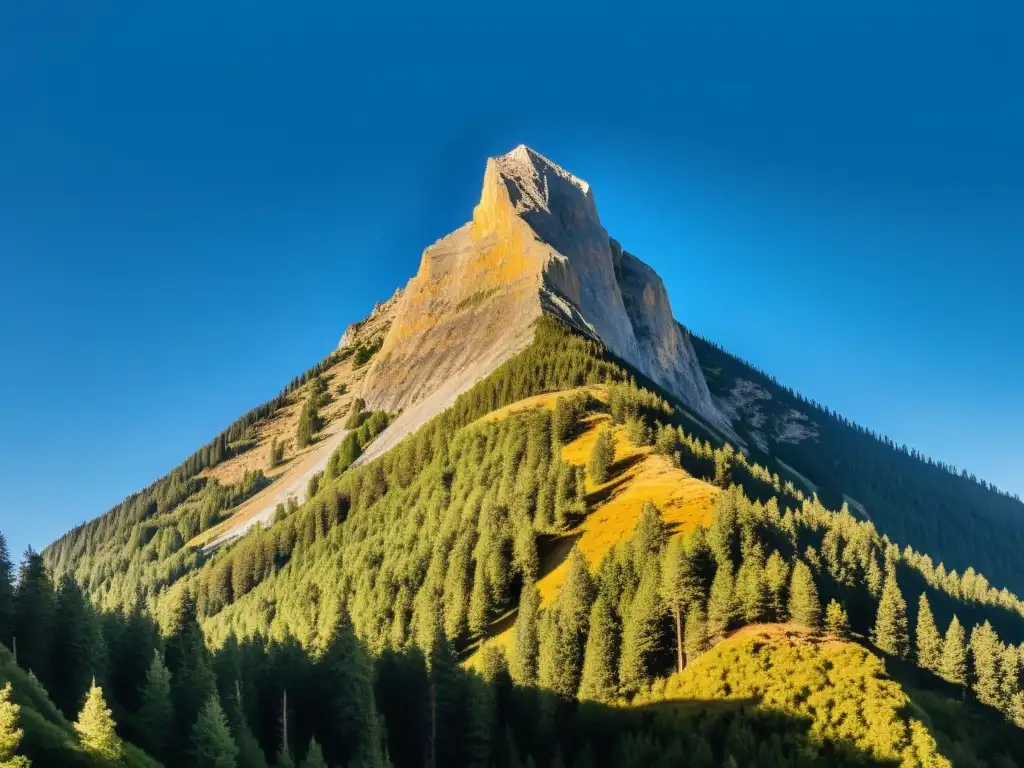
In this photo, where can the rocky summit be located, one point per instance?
(535, 244)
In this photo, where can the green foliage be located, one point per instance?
(836, 620)
(309, 421)
(804, 604)
(642, 633)
(156, 714)
(601, 457)
(10, 733)
(7, 613)
(927, 637)
(524, 657)
(599, 680)
(314, 756)
(953, 664)
(890, 632)
(95, 727)
(212, 744)
(276, 453)
(986, 653)
(722, 609)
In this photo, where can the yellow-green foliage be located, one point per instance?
(840, 689)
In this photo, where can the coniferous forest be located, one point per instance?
(395, 616)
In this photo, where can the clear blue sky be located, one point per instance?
(196, 198)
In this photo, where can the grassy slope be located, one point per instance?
(637, 475)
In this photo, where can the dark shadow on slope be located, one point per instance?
(485, 719)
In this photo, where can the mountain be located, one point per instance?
(520, 516)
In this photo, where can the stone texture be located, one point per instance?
(535, 244)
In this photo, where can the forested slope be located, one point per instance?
(339, 629)
(957, 518)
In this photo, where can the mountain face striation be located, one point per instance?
(535, 244)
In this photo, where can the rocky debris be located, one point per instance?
(746, 402)
(535, 244)
(795, 427)
(375, 324)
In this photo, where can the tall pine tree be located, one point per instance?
(986, 653)
(95, 727)
(601, 659)
(192, 681)
(804, 604)
(212, 744)
(523, 659)
(890, 633)
(953, 664)
(929, 642)
(34, 608)
(642, 636)
(156, 713)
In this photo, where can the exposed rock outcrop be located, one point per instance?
(535, 244)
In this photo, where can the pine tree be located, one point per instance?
(986, 652)
(953, 664)
(752, 596)
(523, 660)
(6, 595)
(34, 608)
(192, 681)
(75, 645)
(348, 722)
(572, 613)
(776, 576)
(641, 633)
(314, 756)
(649, 536)
(212, 744)
(804, 605)
(929, 642)
(95, 727)
(722, 602)
(479, 601)
(680, 588)
(890, 633)
(600, 660)
(1009, 676)
(156, 714)
(836, 620)
(601, 457)
(10, 733)
(696, 632)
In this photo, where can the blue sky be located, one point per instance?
(196, 198)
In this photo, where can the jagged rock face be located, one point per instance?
(535, 244)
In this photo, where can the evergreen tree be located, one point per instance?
(929, 641)
(156, 713)
(953, 664)
(212, 744)
(95, 727)
(696, 631)
(10, 733)
(836, 620)
(479, 602)
(314, 756)
(600, 660)
(890, 633)
(642, 638)
(804, 605)
(986, 652)
(601, 457)
(680, 588)
(572, 615)
(648, 537)
(776, 576)
(752, 595)
(34, 608)
(192, 681)
(6, 595)
(722, 602)
(75, 644)
(1009, 676)
(523, 660)
(347, 712)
